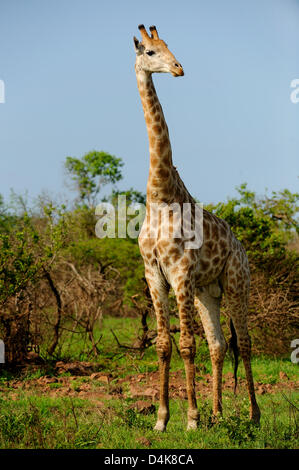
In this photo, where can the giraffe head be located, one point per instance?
(153, 55)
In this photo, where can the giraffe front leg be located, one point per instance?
(159, 294)
(164, 353)
(188, 349)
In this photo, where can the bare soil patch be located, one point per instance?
(79, 379)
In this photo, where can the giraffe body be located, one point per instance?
(198, 276)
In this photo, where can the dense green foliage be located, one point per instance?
(27, 247)
(264, 225)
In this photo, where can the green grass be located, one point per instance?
(29, 419)
(44, 422)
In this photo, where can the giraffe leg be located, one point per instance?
(159, 294)
(236, 289)
(208, 307)
(244, 345)
(185, 301)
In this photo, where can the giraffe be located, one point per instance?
(198, 276)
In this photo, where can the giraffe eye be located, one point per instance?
(150, 52)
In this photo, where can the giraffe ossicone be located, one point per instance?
(198, 276)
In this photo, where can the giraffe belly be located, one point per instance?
(204, 263)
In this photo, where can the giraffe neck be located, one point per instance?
(160, 184)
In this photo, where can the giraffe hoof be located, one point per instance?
(214, 419)
(192, 424)
(255, 417)
(160, 426)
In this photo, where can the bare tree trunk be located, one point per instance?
(54, 344)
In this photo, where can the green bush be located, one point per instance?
(120, 256)
(264, 225)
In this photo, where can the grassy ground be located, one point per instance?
(46, 422)
(111, 403)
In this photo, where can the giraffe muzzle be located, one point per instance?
(177, 70)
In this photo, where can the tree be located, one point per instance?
(265, 225)
(7, 220)
(132, 196)
(91, 172)
(27, 252)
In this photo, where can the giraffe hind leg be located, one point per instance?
(207, 304)
(244, 347)
(236, 290)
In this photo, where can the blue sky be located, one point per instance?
(70, 87)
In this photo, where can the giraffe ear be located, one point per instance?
(138, 46)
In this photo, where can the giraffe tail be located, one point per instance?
(234, 352)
